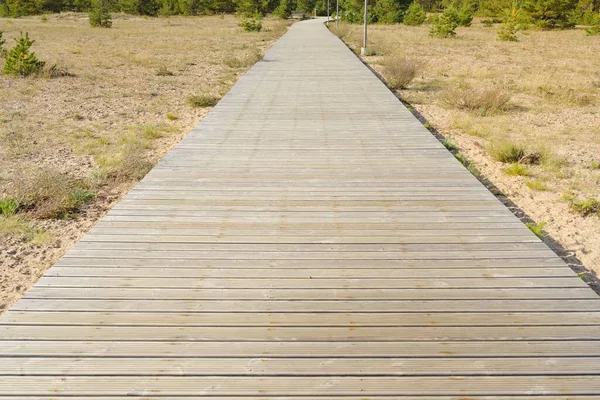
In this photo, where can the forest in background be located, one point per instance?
(547, 13)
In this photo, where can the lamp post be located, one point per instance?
(327, 12)
(337, 14)
(363, 50)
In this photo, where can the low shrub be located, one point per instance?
(20, 60)
(506, 152)
(399, 72)
(415, 14)
(488, 23)
(508, 31)
(593, 30)
(51, 194)
(251, 24)
(484, 101)
(203, 100)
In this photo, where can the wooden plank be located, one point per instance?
(117, 260)
(82, 293)
(282, 349)
(315, 367)
(301, 319)
(307, 273)
(293, 283)
(303, 386)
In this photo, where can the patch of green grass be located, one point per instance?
(589, 206)
(516, 169)
(506, 152)
(450, 145)
(8, 206)
(203, 100)
(537, 185)
(537, 229)
(595, 165)
(172, 117)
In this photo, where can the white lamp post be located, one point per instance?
(363, 50)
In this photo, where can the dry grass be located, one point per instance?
(72, 143)
(500, 106)
(399, 72)
(484, 101)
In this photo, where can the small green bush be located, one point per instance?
(593, 30)
(488, 23)
(444, 26)
(464, 16)
(387, 12)
(8, 207)
(203, 100)
(252, 24)
(508, 32)
(20, 61)
(415, 14)
(100, 14)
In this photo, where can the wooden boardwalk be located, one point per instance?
(309, 240)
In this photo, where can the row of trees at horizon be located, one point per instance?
(382, 11)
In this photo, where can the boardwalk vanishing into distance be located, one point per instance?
(310, 239)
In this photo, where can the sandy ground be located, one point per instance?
(129, 81)
(554, 82)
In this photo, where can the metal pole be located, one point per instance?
(363, 49)
(327, 12)
(337, 14)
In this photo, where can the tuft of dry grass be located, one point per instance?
(399, 72)
(203, 100)
(484, 101)
(50, 194)
(506, 152)
(517, 169)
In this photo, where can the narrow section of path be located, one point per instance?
(309, 240)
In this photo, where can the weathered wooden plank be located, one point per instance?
(293, 283)
(315, 367)
(82, 293)
(157, 304)
(303, 386)
(282, 349)
(308, 273)
(300, 319)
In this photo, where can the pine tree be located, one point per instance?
(550, 14)
(415, 15)
(20, 61)
(100, 14)
(387, 11)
